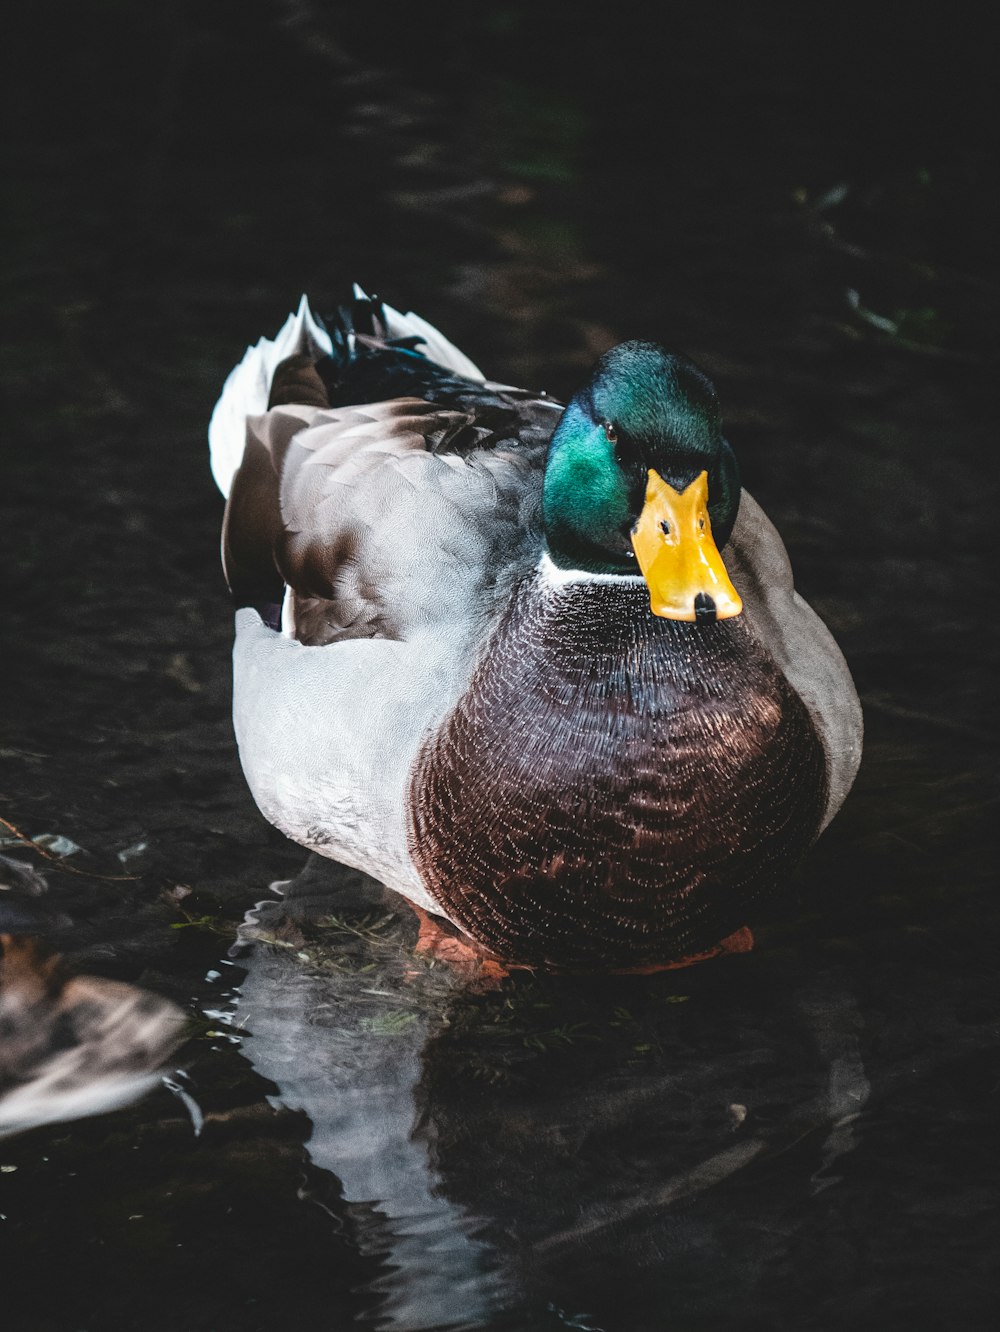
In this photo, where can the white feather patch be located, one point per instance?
(245, 392)
(554, 576)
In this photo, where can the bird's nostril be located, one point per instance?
(704, 608)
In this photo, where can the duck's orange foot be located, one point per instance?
(740, 941)
(437, 943)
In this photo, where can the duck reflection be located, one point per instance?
(585, 1152)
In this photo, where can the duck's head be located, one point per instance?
(640, 480)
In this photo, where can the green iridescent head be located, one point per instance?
(644, 411)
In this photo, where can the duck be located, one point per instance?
(72, 1046)
(540, 669)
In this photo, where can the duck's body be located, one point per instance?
(511, 742)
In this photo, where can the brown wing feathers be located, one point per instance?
(308, 486)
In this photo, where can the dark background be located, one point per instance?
(803, 199)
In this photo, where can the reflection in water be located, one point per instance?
(340, 1027)
(355, 1080)
(837, 1028)
(530, 1153)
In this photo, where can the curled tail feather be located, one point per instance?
(248, 389)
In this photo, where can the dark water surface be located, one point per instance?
(803, 1137)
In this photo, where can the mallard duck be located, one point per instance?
(72, 1046)
(540, 670)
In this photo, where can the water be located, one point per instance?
(801, 1137)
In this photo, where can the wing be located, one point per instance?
(385, 519)
(799, 641)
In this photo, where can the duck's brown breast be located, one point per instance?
(613, 789)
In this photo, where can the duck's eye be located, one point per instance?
(611, 432)
(665, 527)
(701, 523)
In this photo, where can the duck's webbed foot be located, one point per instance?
(440, 942)
(740, 941)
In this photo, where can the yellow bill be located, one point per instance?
(678, 558)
